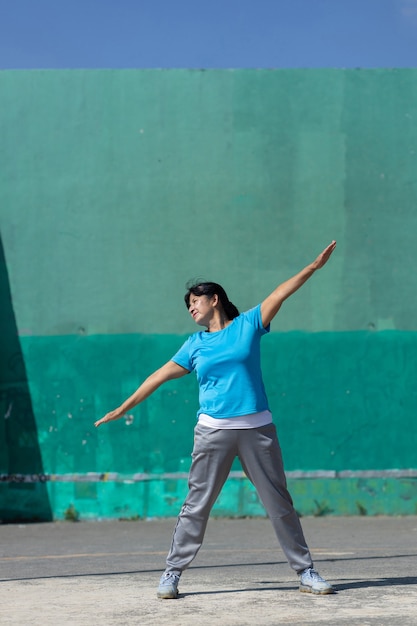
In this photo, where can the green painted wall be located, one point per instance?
(116, 187)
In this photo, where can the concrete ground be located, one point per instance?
(106, 573)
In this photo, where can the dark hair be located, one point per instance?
(209, 290)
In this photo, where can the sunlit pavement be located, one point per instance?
(107, 572)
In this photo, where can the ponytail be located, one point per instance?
(230, 309)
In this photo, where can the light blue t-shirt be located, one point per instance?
(228, 367)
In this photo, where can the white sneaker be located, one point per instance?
(312, 582)
(168, 586)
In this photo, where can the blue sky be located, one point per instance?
(207, 33)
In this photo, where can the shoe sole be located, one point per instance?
(167, 595)
(323, 592)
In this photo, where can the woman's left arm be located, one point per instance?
(272, 304)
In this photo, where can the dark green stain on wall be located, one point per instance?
(116, 187)
(19, 445)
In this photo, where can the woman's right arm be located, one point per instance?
(169, 371)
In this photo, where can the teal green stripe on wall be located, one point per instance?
(340, 401)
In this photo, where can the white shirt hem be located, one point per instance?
(254, 420)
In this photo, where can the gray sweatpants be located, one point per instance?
(260, 455)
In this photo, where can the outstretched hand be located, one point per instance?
(109, 417)
(324, 256)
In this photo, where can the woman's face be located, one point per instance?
(201, 308)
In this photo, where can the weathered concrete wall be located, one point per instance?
(119, 186)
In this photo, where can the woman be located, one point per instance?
(233, 420)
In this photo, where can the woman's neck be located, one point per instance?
(219, 322)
